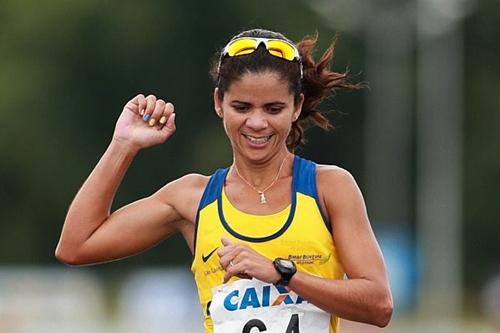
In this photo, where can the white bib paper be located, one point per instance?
(250, 306)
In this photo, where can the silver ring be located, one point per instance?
(231, 263)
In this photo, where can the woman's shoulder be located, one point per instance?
(337, 189)
(331, 170)
(184, 194)
(334, 177)
(189, 183)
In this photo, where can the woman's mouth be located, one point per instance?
(258, 140)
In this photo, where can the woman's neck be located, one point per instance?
(261, 175)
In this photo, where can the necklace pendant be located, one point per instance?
(262, 198)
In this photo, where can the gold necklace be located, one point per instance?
(262, 195)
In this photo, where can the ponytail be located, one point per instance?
(318, 83)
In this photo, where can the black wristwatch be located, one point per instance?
(286, 268)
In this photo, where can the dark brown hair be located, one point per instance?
(318, 81)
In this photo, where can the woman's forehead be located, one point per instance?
(268, 86)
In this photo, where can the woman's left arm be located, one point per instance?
(365, 296)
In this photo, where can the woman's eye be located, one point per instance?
(276, 109)
(240, 108)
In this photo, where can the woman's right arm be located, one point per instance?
(91, 234)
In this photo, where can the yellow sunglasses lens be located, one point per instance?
(278, 48)
(241, 47)
(281, 49)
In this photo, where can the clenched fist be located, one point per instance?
(145, 122)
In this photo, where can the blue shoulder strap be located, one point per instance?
(213, 189)
(211, 193)
(305, 177)
(304, 174)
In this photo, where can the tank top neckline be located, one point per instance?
(227, 204)
(284, 227)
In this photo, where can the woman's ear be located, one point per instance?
(298, 108)
(217, 103)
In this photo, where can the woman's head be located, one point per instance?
(258, 111)
(307, 82)
(231, 68)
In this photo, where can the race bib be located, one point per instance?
(250, 306)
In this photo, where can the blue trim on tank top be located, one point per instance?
(307, 185)
(209, 195)
(303, 181)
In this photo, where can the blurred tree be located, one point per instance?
(482, 138)
(67, 68)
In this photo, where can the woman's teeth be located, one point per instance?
(258, 140)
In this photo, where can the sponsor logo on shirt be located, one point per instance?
(205, 258)
(268, 295)
(308, 258)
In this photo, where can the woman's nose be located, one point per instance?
(256, 121)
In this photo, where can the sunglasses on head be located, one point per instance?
(277, 47)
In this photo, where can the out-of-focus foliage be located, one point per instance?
(67, 68)
(482, 140)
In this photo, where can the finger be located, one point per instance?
(168, 117)
(141, 101)
(226, 250)
(171, 123)
(134, 103)
(232, 255)
(228, 260)
(225, 256)
(157, 112)
(150, 106)
(232, 250)
(226, 241)
(236, 270)
(135, 99)
(169, 107)
(230, 272)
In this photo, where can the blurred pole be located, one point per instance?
(439, 155)
(388, 30)
(389, 36)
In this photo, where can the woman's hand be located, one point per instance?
(145, 122)
(240, 260)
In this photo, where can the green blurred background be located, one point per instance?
(68, 67)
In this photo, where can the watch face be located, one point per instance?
(286, 263)
(286, 268)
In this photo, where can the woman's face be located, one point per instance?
(257, 112)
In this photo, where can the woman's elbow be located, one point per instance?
(384, 312)
(67, 257)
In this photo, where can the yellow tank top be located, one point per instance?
(300, 232)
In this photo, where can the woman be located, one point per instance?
(273, 235)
